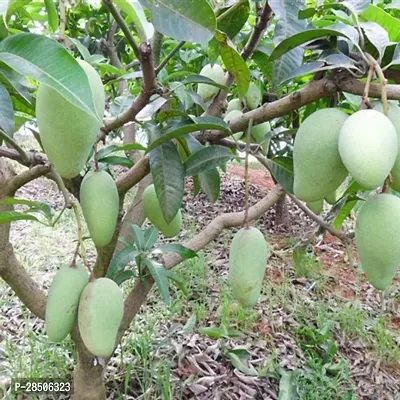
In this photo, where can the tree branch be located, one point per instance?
(335, 232)
(258, 31)
(156, 45)
(138, 294)
(24, 157)
(133, 176)
(26, 176)
(124, 27)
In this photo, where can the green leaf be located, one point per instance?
(150, 238)
(123, 276)
(158, 272)
(165, 115)
(287, 25)
(6, 113)
(384, 19)
(177, 280)
(134, 11)
(81, 48)
(203, 79)
(192, 125)
(396, 57)
(240, 365)
(300, 38)
(117, 160)
(43, 64)
(183, 251)
(193, 21)
(282, 170)
(357, 6)
(343, 213)
(232, 20)
(121, 260)
(114, 148)
(9, 216)
(34, 206)
(52, 15)
(234, 63)
(15, 85)
(376, 35)
(206, 158)
(214, 332)
(169, 178)
(138, 237)
(287, 386)
(209, 181)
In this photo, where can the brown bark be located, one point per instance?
(88, 374)
(280, 211)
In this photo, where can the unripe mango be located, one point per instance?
(316, 206)
(152, 211)
(368, 147)
(332, 198)
(101, 309)
(394, 116)
(231, 116)
(377, 238)
(217, 74)
(234, 104)
(253, 96)
(318, 169)
(259, 132)
(67, 132)
(100, 204)
(247, 262)
(63, 299)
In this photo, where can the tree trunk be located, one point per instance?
(88, 375)
(280, 211)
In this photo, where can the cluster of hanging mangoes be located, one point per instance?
(329, 145)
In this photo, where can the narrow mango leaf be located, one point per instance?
(34, 206)
(231, 20)
(241, 366)
(192, 125)
(192, 20)
(43, 64)
(207, 158)
(177, 248)
(138, 236)
(14, 84)
(123, 276)
(150, 238)
(52, 15)
(177, 280)
(6, 113)
(117, 160)
(121, 260)
(282, 170)
(9, 216)
(203, 79)
(157, 271)
(168, 175)
(287, 386)
(81, 48)
(165, 115)
(134, 11)
(234, 63)
(344, 212)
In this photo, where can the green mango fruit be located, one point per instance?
(394, 116)
(217, 74)
(377, 237)
(229, 117)
(63, 299)
(68, 133)
(100, 204)
(368, 147)
(258, 133)
(247, 263)
(253, 96)
(234, 104)
(332, 198)
(152, 211)
(318, 168)
(316, 206)
(100, 313)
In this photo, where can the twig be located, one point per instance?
(383, 82)
(371, 70)
(63, 20)
(124, 27)
(61, 186)
(156, 44)
(16, 146)
(335, 232)
(169, 56)
(246, 176)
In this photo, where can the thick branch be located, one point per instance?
(137, 296)
(26, 176)
(134, 175)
